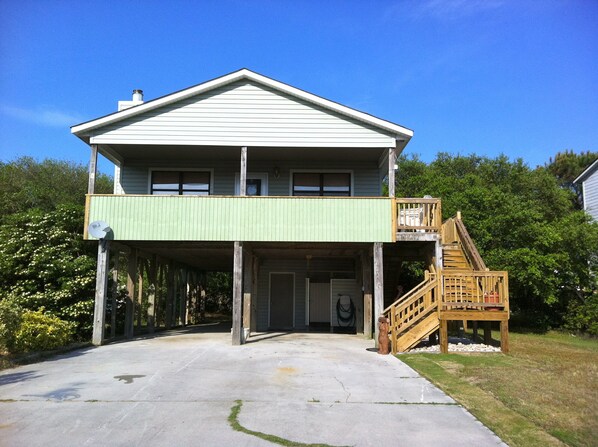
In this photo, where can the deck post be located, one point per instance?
(392, 158)
(184, 288)
(139, 294)
(99, 314)
(130, 301)
(504, 336)
(366, 266)
(151, 295)
(237, 293)
(254, 279)
(113, 294)
(169, 294)
(247, 291)
(443, 336)
(93, 169)
(487, 332)
(378, 286)
(438, 255)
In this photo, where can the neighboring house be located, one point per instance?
(282, 188)
(589, 189)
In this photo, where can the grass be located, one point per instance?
(233, 420)
(544, 393)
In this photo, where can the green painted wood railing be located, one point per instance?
(217, 218)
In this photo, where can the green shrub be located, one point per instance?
(10, 320)
(42, 332)
(583, 317)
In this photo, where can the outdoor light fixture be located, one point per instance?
(276, 172)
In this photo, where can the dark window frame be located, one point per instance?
(181, 190)
(321, 192)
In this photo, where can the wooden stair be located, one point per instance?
(421, 330)
(453, 258)
(462, 284)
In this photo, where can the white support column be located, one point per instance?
(392, 158)
(378, 286)
(99, 314)
(243, 172)
(237, 293)
(93, 169)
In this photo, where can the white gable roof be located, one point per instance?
(105, 127)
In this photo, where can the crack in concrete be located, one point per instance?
(344, 389)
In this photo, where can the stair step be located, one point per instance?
(418, 332)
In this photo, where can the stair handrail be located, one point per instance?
(419, 302)
(408, 296)
(469, 247)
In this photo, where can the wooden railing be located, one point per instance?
(475, 291)
(411, 308)
(423, 215)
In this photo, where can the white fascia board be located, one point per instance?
(400, 131)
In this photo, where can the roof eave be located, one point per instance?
(587, 172)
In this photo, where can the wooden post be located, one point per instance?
(113, 294)
(99, 314)
(487, 332)
(93, 169)
(438, 255)
(139, 294)
(247, 289)
(443, 336)
(366, 265)
(254, 280)
(130, 301)
(151, 295)
(243, 172)
(504, 336)
(474, 328)
(184, 288)
(359, 304)
(378, 286)
(160, 294)
(237, 292)
(392, 157)
(169, 294)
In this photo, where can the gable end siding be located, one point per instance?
(243, 114)
(590, 188)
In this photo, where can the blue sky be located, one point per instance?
(468, 76)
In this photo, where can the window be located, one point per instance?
(321, 184)
(181, 183)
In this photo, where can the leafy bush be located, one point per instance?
(41, 332)
(10, 320)
(583, 317)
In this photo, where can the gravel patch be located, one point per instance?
(456, 345)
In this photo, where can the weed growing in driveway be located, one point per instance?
(233, 420)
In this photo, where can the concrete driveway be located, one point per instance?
(177, 389)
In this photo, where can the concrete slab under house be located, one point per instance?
(283, 189)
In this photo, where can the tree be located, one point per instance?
(522, 221)
(46, 269)
(567, 166)
(44, 263)
(26, 184)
